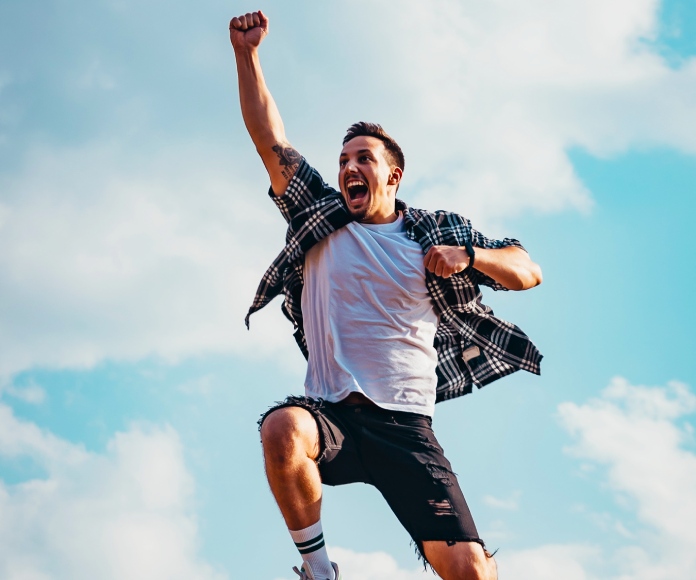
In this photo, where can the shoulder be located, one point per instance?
(438, 214)
(440, 218)
(305, 188)
(309, 177)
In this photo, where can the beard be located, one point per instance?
(359, 214)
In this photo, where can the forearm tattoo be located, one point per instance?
(289, 159)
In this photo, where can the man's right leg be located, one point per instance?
(291, 446)
(290, 439)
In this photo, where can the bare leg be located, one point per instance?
(290, 440)
(461, 561)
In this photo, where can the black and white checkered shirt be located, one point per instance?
(473, 346)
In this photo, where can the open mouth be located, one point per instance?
(356, 189)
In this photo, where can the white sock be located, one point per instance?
(310, 544)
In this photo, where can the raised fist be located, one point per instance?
(248, 30)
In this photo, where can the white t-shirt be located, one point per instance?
(369, 320)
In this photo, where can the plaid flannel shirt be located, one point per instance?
(473, 346)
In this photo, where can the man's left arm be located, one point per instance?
(509, 266)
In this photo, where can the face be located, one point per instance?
(367, 180)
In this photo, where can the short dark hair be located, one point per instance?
(364, 129)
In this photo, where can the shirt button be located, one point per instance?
(358, 409)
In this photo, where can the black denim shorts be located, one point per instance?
(398, 453)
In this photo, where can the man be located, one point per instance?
(386, 304)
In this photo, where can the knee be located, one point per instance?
(460, 561)
(482, 566)
(486, 569)
(288, 432)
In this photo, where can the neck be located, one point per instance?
(381, 219)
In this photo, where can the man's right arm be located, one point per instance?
(259, 111)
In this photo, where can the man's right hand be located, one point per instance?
(247, 31)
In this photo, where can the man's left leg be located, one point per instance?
(460, 560)
(408, 466)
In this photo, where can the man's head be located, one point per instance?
(370, 169)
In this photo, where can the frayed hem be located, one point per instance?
(314, 406)
(418, 549)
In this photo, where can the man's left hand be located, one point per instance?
(446, 260)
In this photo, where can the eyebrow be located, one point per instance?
(359, 151)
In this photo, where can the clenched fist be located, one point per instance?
(248, 30)
(446, 260)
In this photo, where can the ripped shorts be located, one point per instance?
(398, 453)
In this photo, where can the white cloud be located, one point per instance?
(32, 393)
(489, 96)
(123, 514)
(201, 386)
(102, 261)
(496, 530)
(509, 503)
(108, 250)
(372, 566)
(634, 432)
(550, 562)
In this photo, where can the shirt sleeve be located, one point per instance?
(305, 187)
(478, 240)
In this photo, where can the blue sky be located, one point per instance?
(134, 227)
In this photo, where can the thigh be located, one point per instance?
(408, 466)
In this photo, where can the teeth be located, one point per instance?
(355, 182)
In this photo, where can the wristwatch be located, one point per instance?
(469, 250)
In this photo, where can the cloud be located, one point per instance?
(134, 235)
(31, 393)
(200, 386)
(126, 513)
(510, 503)
(549, 562)
(372, 566)
(495, 94)
(636, 434)
(102, 261)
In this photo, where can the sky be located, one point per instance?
(134, 228)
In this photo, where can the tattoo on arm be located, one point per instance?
(289, 160)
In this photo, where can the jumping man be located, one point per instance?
(387, 309)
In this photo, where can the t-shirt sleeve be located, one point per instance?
(305, 187)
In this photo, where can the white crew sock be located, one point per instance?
(310, 544)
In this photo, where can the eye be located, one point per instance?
(364, 158)
(342, 162)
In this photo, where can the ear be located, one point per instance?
(395, 177)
